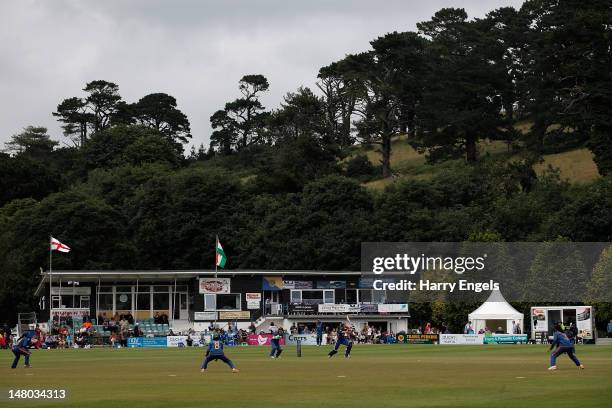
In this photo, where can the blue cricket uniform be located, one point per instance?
(562, 344)
(319, 333)
(215, 352)
(276, 350)
(343, 339)
(21, 349)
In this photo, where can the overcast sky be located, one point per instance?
(195, 50)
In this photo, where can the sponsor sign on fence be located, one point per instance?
(422, 338)
(505, 338)
(215, 285)
(462, 339)
(261, 340)
(157, 342)
(181, 341)
(306, 339)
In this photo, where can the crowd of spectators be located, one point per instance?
(6, 339)
(368, 334)
(230, 335)
(469, 329)
(66, 333)
(122, 326)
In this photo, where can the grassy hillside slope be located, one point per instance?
(575, 166)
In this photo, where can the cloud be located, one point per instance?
(194, 50)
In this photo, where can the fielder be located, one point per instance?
(20, 348)
(215, 352)
(563, 345)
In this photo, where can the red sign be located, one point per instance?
(214, 285)
(262, 340)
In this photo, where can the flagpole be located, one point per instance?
(216, 246)
(174, 302)
(50, 280)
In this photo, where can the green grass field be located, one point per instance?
(377, 376)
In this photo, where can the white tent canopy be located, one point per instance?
(495, 312)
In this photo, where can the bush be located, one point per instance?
(360, 167)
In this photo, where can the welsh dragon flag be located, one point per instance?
(221, 258)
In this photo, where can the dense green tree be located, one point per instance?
(586, 215)
(244, 117)
(340, 95)
(74, 115)
(523, 215)
(33, 141)
(418, 210)
(293, 164)
(336, 215)
(224, 137)
(390, 78)
(102, 98)
(461, 101)
(94, 112)
(321, 228)
(568, 70)
(131, 144)
(25, 177)
(600, 286)
(187, 208)
(599, 289)
(94, 231)
(360, 167)
(557, 274)
(504, 32)
(302, 113)
(200, 153)
(159, 111)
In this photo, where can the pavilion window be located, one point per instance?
(365, 295)
(123, 302)
(161, 301)
(379, 296)
(144, 301)
(84, 302)
(105, 302)
(229, 301)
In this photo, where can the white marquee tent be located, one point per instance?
(495, 312)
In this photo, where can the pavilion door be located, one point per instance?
(271, 302)
(183, 309)
(180, 308)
